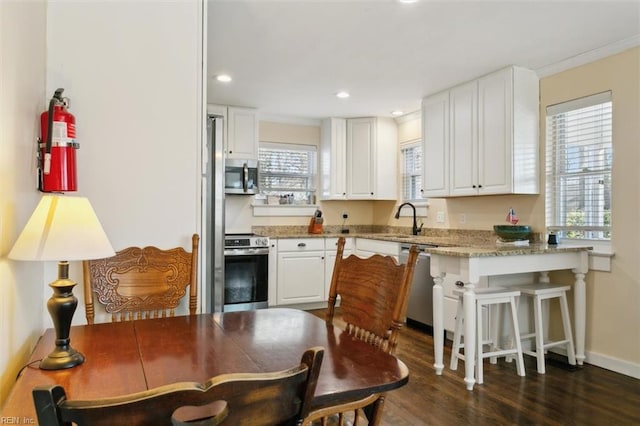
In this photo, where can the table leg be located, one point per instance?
(438, 324)
(469, 305)
(580, 314)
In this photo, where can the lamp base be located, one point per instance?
(61, 306)
(61, 358)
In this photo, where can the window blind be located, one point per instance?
(411, 155)
(578, 168)
(287, 169)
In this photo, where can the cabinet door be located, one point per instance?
(330, 259)
(242, 141)
(495, 130)
(361, 133)
(300, 277)
(463, 139)
(333, 159)
(435, 145)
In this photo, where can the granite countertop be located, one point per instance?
(459, 243)
(383, 236)
(497, 250)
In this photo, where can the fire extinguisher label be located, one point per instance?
(63, 133)
(59, 131)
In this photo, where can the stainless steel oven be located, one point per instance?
(246, 272)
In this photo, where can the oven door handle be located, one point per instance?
(246, 251)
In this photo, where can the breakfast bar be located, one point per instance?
(471, 263)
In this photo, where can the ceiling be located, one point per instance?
(289, 58)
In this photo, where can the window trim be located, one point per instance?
(260, 205)
(601, 246)
(420, 204)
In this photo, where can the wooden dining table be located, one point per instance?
(133, 356)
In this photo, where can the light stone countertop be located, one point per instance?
(496, 250)
(459, 243)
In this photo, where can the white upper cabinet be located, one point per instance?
(463, 139)
(435, 148)
(242, 127)
(508, 110)
(333, 159)
(490, 136)
(364, 165)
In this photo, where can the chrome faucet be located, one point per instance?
(415, 229)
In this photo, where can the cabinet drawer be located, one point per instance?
(300, 244)
(331, 244)
(378, 246)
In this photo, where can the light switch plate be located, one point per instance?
(440, 217)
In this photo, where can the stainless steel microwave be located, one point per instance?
(241, 177)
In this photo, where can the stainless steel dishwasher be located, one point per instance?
(420, 305)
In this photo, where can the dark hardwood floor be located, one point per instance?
(586, 395)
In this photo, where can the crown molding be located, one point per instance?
(589, 56)
(414, 115)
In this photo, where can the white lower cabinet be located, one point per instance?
(300, 271)
(366, 247)
(304, 268)
(331, 246)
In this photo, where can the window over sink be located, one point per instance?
(288, 173)
(411, 157)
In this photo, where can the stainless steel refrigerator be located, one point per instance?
(213, 182)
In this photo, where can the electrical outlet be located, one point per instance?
(440, 217)
(345, 215)
(463, 218)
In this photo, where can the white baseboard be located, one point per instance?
(607, 362)
(614, 364)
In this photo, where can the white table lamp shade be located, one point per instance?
(62, 228)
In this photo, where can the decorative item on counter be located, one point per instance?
(315, 225)
(553, 239)
(511, 216)
(512, 235)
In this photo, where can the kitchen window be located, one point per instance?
(578, 168)
(288, 172)
(411, 169)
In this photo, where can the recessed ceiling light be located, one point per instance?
(343, 95)
(397, 113)
(408, 1)
(223, 78)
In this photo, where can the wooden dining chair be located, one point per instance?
(373, 295)
(278, 398)
(139, 283)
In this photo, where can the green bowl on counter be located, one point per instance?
(512, 232)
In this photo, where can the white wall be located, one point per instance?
(132, 70)
(22, 80)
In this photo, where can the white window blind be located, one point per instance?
(411, 155)
(287, 169)
(578, 168)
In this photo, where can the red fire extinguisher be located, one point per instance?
(57, 147)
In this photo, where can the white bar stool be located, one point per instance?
(546, 291)
(488, 297)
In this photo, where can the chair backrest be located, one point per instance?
(373, 295)
(140, 283)
(236, 399)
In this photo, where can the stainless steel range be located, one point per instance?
(246, 272)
